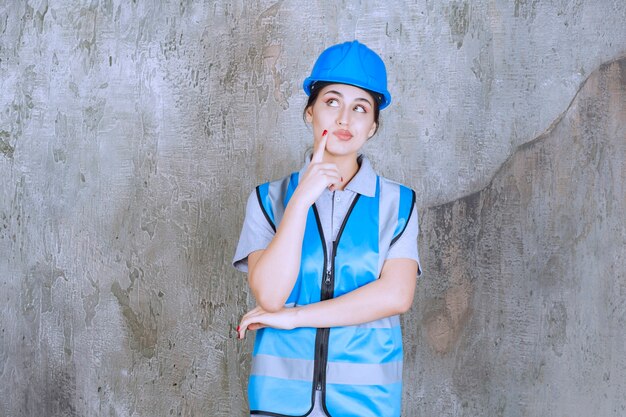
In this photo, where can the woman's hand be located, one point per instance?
(319, 175)
(257, 318)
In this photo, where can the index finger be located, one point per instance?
(318, 153)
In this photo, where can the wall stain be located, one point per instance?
(37, 288)
(271, 55)
(59, 155)
(5, 147)
(144, 338)
(526, 9)
(444, 326)
(60, 392)
(459, 20)
(93, 113)
(557, 327)
(40, 15)
(271, 11)
(208, 311)
(91, 301)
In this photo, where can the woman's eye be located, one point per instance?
(332, 102)
(360, 109)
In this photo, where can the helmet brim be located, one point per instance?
(384, 95)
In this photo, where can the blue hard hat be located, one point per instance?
(351, 63)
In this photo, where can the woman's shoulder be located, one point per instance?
(285, 179)
(389, 184)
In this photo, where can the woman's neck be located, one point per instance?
(348, 167)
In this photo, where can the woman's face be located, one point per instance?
(347, 112)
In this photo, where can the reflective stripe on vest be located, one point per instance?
(363, 363)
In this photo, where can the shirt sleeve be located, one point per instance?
(256, 233)
(406, 245)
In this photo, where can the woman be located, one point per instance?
(331, 256)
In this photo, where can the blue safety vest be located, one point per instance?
(357, 368)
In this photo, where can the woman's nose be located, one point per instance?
(342, 117)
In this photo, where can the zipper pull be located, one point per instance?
(329, 271)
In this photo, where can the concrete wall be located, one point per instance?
(132, 132)
(524, 308)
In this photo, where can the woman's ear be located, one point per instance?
(308, 114)
(372, 130)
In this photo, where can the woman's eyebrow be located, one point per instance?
(333, 92)
(341, 95)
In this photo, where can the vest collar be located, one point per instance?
(363, 182)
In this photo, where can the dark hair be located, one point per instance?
(317, 86)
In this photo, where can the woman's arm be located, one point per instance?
(389, 295)
(272, 272)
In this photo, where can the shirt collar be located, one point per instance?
(363, 182)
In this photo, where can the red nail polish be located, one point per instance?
(324, 132)
(237, 328)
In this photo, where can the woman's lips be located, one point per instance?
(342, 134)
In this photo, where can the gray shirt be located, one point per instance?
(332, 206)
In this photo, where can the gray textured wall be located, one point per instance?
(132, 132)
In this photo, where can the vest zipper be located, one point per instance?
(328, 289)
(328, 286)
(323, 333)
(327, 293)
(321, 338)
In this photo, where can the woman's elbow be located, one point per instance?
(404, 307)
(269, 297)
(269, 304)
(403, 302)
(266, 298)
